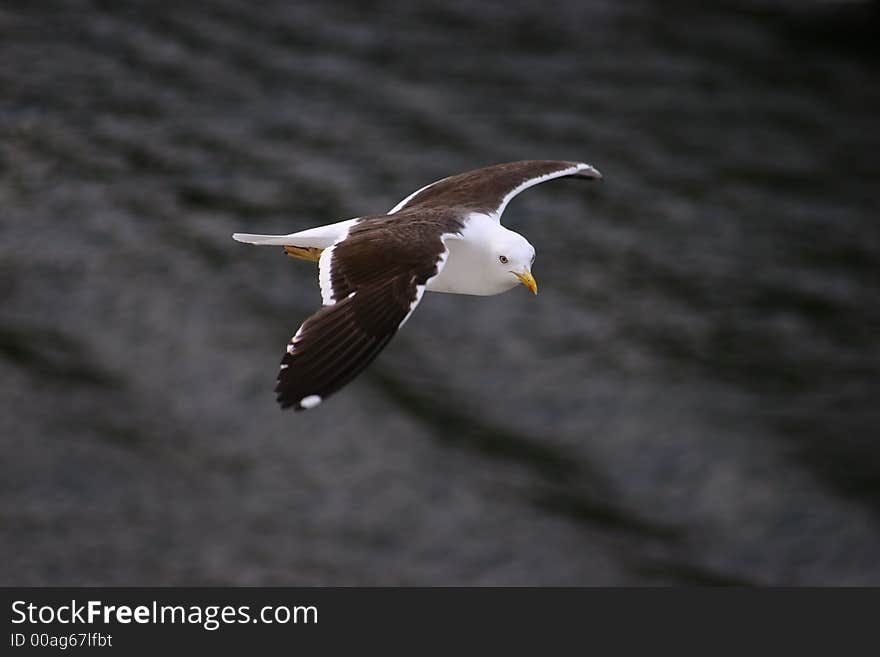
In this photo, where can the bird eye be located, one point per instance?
(503, 259)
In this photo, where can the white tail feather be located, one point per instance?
(248, 238)
(320, 237)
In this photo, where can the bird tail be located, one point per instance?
(319, 237)
(249, 238)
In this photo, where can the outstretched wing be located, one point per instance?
(490, 189)
(370, 282)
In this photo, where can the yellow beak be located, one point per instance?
(526, 278)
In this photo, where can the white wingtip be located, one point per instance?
(589, 171)
(310, 402)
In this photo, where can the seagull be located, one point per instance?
(374, 270)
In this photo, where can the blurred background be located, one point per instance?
(693, 398)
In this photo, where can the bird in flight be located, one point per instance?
(373, 270)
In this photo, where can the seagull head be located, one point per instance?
(512, 258)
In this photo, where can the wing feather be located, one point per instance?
(373, 282)
(490, 189)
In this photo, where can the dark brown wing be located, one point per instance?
(490, 189)
(378, 276)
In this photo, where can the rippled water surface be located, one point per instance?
(692, 398)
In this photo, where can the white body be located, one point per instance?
(472, 264)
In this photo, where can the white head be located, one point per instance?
(511, 257)
(484, 259)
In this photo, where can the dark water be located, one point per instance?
(694, 397)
